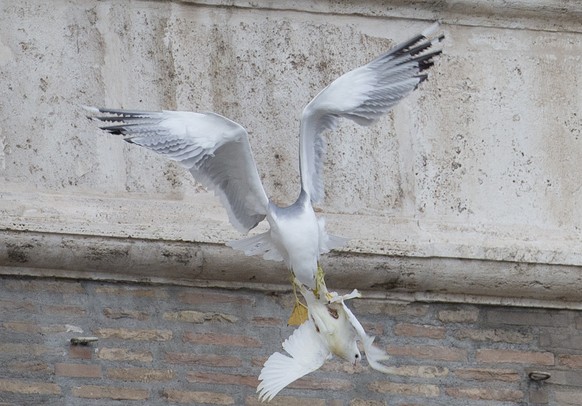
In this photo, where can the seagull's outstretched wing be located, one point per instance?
(362, 95)
(215, 149)
(308, 353)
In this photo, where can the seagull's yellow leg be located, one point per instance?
(320, 283)
(294, 284)
(299, 313)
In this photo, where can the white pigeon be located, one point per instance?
(217, 153)
(331, 329)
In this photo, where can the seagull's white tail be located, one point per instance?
(328, 242)
(260, 244)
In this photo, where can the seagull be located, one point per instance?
(217, 152)
(330, 329)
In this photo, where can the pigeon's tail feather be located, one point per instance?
(375, 355)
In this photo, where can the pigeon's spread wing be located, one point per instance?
(373, 354)
(308, 353)
(362, 95)
(215, 149)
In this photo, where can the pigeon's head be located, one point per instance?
(351, 353)
(343, 342)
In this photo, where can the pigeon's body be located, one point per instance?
(333, 326)
(331, 329)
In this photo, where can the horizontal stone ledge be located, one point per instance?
(97, 257)
(200, 218)
(550, 15)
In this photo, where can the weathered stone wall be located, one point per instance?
(473, 178)
(161, 345)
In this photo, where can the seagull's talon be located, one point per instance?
(296, 284)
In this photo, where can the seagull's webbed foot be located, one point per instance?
(299, 313)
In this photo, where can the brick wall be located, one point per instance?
(161, 345)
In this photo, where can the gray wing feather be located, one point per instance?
(362, 95)
(215, 149)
